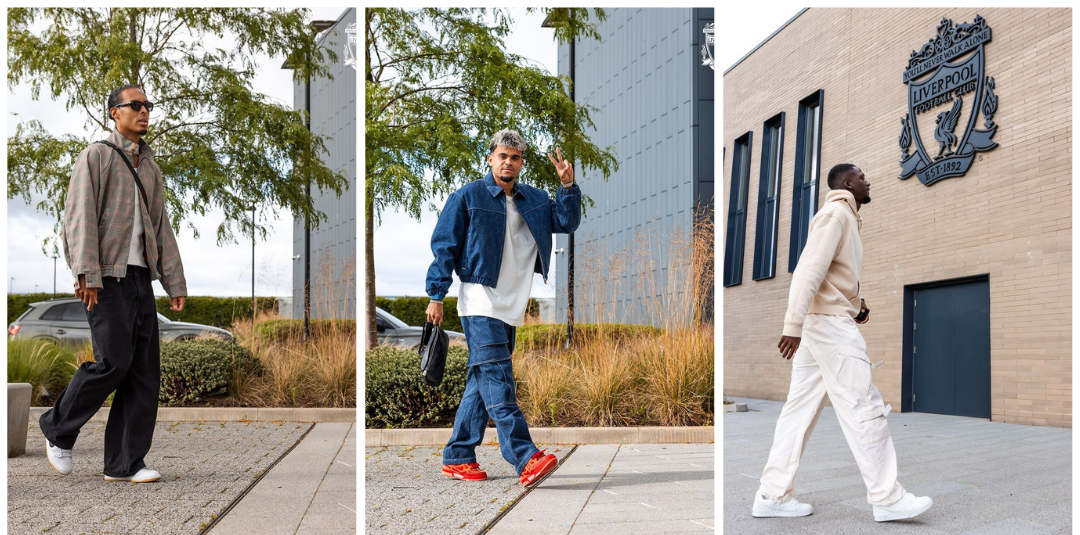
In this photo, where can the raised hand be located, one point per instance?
(563, 167)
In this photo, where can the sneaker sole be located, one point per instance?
(544, 470)
(51, 463)
(129, 480)
(463, 478)
(778, 514)
(905, 516)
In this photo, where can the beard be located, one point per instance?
(865, 199)
(142, 130)
(502, 175)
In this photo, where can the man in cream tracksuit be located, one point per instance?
(830, 358)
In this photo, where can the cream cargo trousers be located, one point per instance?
(832, 360)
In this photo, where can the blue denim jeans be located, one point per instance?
(489, 392)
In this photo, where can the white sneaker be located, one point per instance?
(909, 506)
(60, 459)
(791, 507)
(144, 475)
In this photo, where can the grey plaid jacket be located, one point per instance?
(99, 211)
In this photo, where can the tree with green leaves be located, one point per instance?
(219, 143)
(439, 83)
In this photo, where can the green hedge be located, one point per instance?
(413, 310)
(284, 330)
(195, 369)
(396, 395)
(216, 311)
(554, 334)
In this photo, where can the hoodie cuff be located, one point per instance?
(793, 329)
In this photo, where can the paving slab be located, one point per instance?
(333, 509)
(642, 488)
(984, 477)
(554, 505)
(204, 467)
(406, 491)
(281, 502)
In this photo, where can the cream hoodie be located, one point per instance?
(826, 280)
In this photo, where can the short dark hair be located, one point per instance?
(837, 172)
(114, 97)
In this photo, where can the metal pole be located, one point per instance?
(307, 225)
(254, 309)
(54, 275)
(570, 248)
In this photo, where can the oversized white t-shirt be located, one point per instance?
(508, 299)
(135, 251)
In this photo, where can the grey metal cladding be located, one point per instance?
(333, 243)
(654, 104)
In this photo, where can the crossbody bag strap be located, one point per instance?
(134, 175)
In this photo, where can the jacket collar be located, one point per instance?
(141, 148)
(495, 189)
(845, 196)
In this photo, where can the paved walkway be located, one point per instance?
(985, 477)
(312, 490)
(205, 467)
(649, 488)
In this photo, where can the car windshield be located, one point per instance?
(162, 319)
(398, 324)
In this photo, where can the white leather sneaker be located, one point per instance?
(60, 459)
(909, 506)
(144, 475)
(788, 508)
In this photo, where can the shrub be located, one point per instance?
(397, 396)
(219, 312)
(553, 335)
(413, 310)
(192, 370)
(47, 366)
(281, 331)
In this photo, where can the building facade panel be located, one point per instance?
(650, 106)
(333, 243)
(1008, 218)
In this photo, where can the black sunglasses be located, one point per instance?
(137, 106)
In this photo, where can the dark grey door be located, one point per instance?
(951, 353)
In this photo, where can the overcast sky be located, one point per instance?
(403, 244)
(203, 259)
(743, 28)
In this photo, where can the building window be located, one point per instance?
(772, 157)
(736, 223)
(804, 200)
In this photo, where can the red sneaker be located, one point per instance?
(538, 467)
(468, 471)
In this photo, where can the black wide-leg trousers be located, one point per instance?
(127, 360)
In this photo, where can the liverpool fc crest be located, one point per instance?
(943, 76)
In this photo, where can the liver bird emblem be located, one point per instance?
(946, 123)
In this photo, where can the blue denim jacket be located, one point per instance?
(468, 238)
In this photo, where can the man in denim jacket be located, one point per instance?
(495, 233)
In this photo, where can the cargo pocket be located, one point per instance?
(869, 411)
(487, 340)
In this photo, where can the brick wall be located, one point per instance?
(1009, 216)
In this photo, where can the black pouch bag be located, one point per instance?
(434, 344)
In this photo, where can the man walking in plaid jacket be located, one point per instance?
(117, 240)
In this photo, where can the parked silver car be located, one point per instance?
(64, 321)
(395, 332)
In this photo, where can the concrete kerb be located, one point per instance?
(552, 435)
(233, 414)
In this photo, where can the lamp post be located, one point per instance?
(253, 307)
(55, 256)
